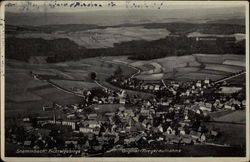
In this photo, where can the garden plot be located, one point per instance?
(238, 116)
(169, 63)
(206, 71)
(235, 63)
(184, 70)
(218, 59)
(225, 68)
(103, 38)
(238, 36)
(68, 84)
(199, 76)
(18, 81)
(158, 76)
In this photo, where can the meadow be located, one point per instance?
(103, 38)
(25, 93)
(232, 116)
(190, 67)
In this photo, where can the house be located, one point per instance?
(135, 119)
(122, 100)
(70, 116)
(146, 87)
(203, 108)
(195, 135)
(145, 112)
(92, 124)
(206, 81)
(26, 119)
(198, 84)
(175, 85)
(96, 130)
(227, 105)
(121, 109)
(151, 87)
(202, 137)
(95, 99)
(43, 132)
(111, 99)
(108, 114)
(147, 103)
(122, 94)
(27, 143)
(214, 133)
(169, 130)
(186, 141)
(182, 131)
(129, 140)
(208, 105)
(129, 112)
(69, 123)
(160, 128)
(72, 144)
(85, 130)
(157, 87)
(175, 140)
(92, 116)
(164, 103)
(47, 108)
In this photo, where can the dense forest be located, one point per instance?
(176, 44)
(59, 50)
(175, 28)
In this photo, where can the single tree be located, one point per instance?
(92, 75)
(118, 71)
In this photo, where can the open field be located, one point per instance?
(213, 58)
(235, 117)
(158, 76)
(199, 76)
(235, 63)
(232, 126)
(233, 134)
(239, 80)
(103, 38)
(238, 36)
(68, 84)
(22, 90)
(107, 108)
(191, 67)
(225, 68)
(24, 93)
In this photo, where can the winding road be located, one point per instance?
(230, 77)
(138, 71)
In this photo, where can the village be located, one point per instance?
(176, 115)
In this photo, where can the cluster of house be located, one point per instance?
(138, 85)
(90, 97)
(190, 91)
(175, 117)
(151, 123)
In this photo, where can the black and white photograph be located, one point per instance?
(124, 79)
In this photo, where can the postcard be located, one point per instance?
(124, 80)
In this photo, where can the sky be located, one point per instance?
(118, 12)
(81, 6)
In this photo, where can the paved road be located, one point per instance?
(138, 71)
(230, 77)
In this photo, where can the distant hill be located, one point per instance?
(122, 16)
(60, 50)
(174, 28)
